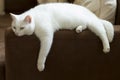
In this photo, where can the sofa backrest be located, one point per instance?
(117, 17)
(19, 6)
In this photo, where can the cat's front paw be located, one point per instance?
(40, 67)
(106, 50)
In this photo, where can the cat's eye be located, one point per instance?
(14, 27)
(21, 28)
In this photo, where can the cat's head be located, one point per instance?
(22, 25)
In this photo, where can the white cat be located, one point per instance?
(45, 19)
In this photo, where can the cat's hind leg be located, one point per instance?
(99, 30)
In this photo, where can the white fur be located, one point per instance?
(47, 18)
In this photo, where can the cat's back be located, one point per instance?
(60, 7)
(54, 5)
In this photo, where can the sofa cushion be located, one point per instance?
(104, 9)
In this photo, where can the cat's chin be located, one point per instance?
(19, 35)
(30, 33)
(23, 34)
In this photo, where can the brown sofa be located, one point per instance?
(72, 56)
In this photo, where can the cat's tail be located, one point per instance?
(109, 29)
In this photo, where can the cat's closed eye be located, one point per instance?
(21, 28)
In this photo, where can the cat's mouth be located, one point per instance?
(17, 34)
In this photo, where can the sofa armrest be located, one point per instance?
(72, 57)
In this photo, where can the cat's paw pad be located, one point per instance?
(79, 29)
(106, 50)
(40, 67)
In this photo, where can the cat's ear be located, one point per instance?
(13, 16)
(28, 19)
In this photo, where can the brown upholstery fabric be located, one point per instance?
(19, 6)
(72, 57)
(2, 54)
(2, 71)
(117, 18)
(70, 1)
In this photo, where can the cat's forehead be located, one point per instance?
(17, 23)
